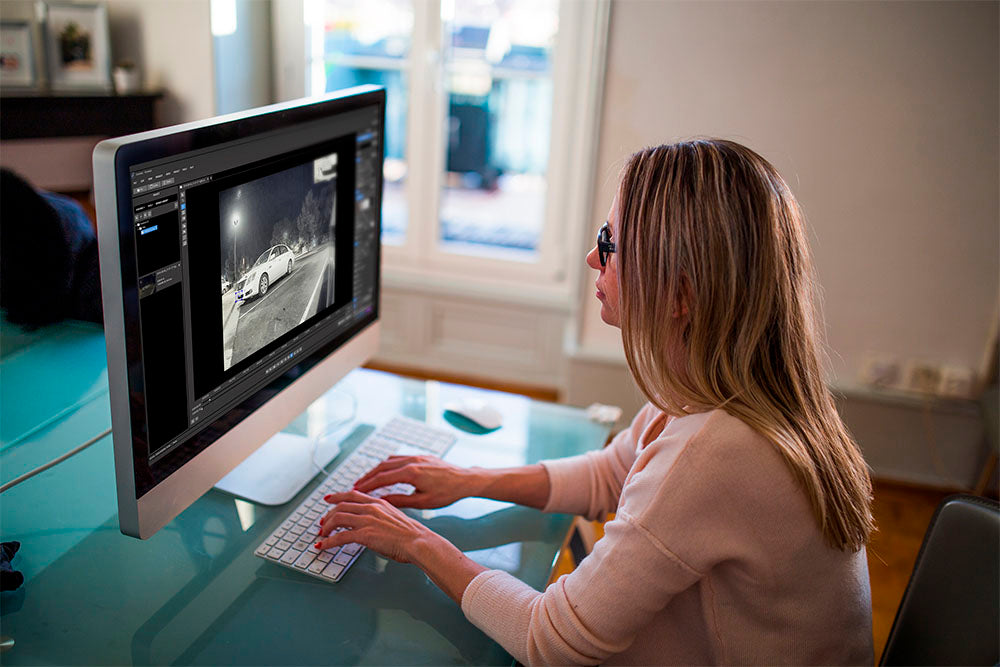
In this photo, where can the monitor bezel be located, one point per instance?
(269, 409)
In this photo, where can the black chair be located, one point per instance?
(949, 613)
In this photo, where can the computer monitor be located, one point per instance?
(240, 276)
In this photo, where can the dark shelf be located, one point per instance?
(40, 114)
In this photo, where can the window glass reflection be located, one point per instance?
(498, 62)
(368, 42)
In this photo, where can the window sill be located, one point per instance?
(556, 297)
(596, 354)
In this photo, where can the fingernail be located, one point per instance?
(328, 497)
(318, 545)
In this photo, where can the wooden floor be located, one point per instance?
(902, 514)
(531, 391)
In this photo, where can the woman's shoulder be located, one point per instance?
(716, 448)
(704, 432)
(726, 484)
(729, 443)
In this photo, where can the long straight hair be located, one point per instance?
(718, 311)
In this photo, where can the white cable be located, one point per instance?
(72, 452)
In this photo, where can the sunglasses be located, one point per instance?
(604, 245)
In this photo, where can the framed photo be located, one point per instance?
(17, 55)
(77, 46)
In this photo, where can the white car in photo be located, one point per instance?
(273, 263)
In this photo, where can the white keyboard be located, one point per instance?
(293, 544)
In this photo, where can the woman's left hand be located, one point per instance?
(376, 524)
(373, 523)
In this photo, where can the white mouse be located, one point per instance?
(476, 411)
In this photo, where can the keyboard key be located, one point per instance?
(303, 561)
(317, 566)
(352, 548)
(324, 557)
(263, 549)
(332, 571)
(291, 556)
(343, 558)
(275, 553)
(283, 545)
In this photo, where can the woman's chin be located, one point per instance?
(609, 317)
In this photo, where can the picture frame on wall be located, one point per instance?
(17, 55)
(77, 46)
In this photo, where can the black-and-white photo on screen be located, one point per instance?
(277, 260)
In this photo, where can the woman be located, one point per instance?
(742, 504)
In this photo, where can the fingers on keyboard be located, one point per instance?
(293, 543)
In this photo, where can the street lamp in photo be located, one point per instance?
(236, 223)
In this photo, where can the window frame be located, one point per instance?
(578, 64)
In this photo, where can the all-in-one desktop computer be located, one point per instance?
(240, 278)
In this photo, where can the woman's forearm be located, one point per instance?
(445, 565)
(524, 485)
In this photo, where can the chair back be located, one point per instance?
(949, 612)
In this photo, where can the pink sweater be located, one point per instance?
(714, 556)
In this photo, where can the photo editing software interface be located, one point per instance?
(250, 255)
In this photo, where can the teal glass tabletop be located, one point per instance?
(194, 593)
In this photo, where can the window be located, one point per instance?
(355, 42)
(491, 112)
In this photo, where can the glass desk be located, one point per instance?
(194, 593)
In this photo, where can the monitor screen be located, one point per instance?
(237, 256)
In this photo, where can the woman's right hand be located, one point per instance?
(435, 482)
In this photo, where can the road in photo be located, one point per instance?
(285, 306)
(278, 235)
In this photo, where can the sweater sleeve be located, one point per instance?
(576, 620)
(590, 484)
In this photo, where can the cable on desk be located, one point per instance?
(43, 468)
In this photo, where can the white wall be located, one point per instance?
(883, 117)
(171, 41)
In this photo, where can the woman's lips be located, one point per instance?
(600, 294)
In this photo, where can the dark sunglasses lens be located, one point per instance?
(602, 241)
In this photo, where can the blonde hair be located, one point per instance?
(717, 311)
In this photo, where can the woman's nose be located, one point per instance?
(593, 261)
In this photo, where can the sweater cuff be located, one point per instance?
(499, 604)
(569, 486)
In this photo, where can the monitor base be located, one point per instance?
(279, 469)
